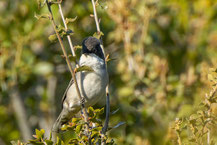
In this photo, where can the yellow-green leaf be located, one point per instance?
(53, 38)
(70, 20)
(83, 68)
(78, 128)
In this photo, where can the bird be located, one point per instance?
(92, 84)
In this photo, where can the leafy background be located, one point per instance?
(162, 51)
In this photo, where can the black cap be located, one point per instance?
(92, 45)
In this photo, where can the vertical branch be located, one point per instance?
(77, 65)
(20, 112)
(64, 22)
(97, 24)
(207, 99)
(104, 129)
(68, 63)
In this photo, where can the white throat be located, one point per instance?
(92, 61)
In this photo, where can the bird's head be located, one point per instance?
(92, 45)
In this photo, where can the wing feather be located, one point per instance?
(65, 93)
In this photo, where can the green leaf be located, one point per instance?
(97, 129)
(53, 38)
(70, 20)
(16, 143)
(94, 134)
(78, 128)
(72, 58)
(61, 30)
(96, 3)
(64, 32)
(78, 47)
(49, 142)
(84, 68)
(90, 111)
(76, 120)
(41, 3)
(73, 141)
(98, 34)
(40, 133)
(78, 50)
(69, 32)
(35, 142)
(44, 16)
(99, 111)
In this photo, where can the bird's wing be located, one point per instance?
(65, 93)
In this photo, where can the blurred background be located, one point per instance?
(162, 50)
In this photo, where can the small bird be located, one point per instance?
(92, 84)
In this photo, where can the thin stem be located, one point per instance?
(68, 62)
(212, 93)
(20, 112)
(77, 65)
(95, 15)
(68, 37)
(16, 98)
(97, 23)
(104, 129)
(64, 50)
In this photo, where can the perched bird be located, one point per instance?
(92, 84)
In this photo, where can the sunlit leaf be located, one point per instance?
(78, 128)
(44, 16)
(41, 3)
(70, 20)
(53, 38)
(72, 58)
(49, 142)
(40, 133)
(98, 35)
(84, 68)
(91, 111)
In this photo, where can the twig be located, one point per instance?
(104, 129)
(77, 65)
(211, 94)
(20, 112)
(68, 63)
(97, 24)
(68, 37)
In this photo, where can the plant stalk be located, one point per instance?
(104, 129)
(68, 63)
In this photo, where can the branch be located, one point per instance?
(20, 113)
(104, 129)
(68, 37)
(77, 65)
(97, 23)
(68, 62)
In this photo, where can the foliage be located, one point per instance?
(200, 123)
(74, 132)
